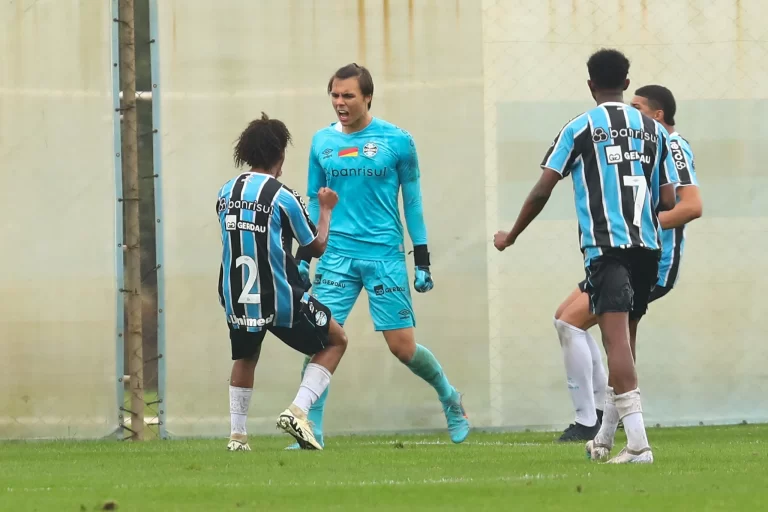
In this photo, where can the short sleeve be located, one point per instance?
(668, 168)
(304, 230)
(683, 164)
(561, 154)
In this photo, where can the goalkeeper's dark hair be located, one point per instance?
(364, 79)
(262, 144)
(608, 69)
(660, 98)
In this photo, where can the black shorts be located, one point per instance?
(621, 280)
(657, 292)
(308, 334)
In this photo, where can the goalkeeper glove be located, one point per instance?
(422, 281)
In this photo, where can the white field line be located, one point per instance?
(317, 483)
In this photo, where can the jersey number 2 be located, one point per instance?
(253, 271)
(639, 188)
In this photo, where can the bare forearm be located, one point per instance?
(689, 208)
(533, 205)
(678, 216)
(323, 226)
(319, 244)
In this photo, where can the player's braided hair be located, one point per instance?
(262, 144)
(608, 69)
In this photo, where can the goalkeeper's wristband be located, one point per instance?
(421, 255)
(302, 254)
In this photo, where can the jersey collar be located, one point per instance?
(337, 127)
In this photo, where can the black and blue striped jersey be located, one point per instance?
(618, 159)
(259, 284)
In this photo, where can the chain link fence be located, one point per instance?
(61, 270)
(216, 74)
(699, 348)
(482, 86)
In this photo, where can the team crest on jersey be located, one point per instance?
(321, 318)
(370, 149)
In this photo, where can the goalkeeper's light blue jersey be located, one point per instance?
(367, 170)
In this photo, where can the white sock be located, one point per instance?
(239, 401)
(599, 377)
(610, 420)
(631, 413)
(578, 369)
(316, 379)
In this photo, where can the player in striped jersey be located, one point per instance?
(621, 167)
(259, 283)
(583, 364)
(658, 102)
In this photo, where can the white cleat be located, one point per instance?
(596, 451)
(627, 456)
(293, 421)
(238, 443)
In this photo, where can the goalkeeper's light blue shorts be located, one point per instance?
(338, 281)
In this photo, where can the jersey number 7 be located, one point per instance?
(639, 188)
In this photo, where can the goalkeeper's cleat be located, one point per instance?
(238, 443)
(579, 432)
(294, 421)
(627, 456)
(318, 437)
(597, 451)
(456, 416)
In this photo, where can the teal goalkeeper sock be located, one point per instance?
(317, 409)
(425, 365)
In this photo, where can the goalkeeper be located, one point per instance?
(367, 160)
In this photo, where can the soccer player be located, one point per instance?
(621, 169)
(368, 161)
(587, 380)
(259, 285)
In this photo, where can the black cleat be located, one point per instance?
(579, 432)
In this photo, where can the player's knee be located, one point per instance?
(338, 338)
(401, 343)
(247, 363)
(402, 350)
(401, 353)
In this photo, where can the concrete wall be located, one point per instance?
(483, 87)
(57, 201)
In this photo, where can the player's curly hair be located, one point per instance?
(660, 98)
(608, 69)
(262, 144)
(364, 79)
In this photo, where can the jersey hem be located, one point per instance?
(367, 256)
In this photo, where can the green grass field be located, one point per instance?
(702, 468)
